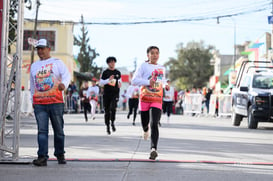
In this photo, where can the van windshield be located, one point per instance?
(263, 81)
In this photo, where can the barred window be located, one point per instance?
(49, 35)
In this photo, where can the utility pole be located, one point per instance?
(272, 28)
(35, 30)
(234, 41)
(135, 64)
(234, 38)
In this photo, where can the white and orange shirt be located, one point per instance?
(168, 94)
(93, 92)
(45, 76)
(142, 77)
(132, 92)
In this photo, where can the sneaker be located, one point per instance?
(8, 117)
(153, 154)
(61, 159)
(134, 123)
(108, 130)
(94, 118)
(128, 116)
(146, 135)
(113, 128)
(40, 161)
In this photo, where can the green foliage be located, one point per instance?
(224, 83)
(14, 6)
(192, 66)
(86, 55)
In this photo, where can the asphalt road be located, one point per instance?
(190, 148)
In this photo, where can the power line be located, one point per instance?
(173, 20)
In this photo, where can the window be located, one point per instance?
(49, 35)
(263, 82)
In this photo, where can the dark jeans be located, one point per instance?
(54, 112)
(75, 104)
(167, 107)
(86, 108)
(207, 105)
(133, 105)
(124, 106)
(154, 114)
(110, 105)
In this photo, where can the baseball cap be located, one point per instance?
(42, 43)
(94, 79)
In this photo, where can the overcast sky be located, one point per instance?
(129, 42)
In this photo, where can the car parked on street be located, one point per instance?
(252, 96)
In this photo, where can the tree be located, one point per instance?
(86, 55)
(192, 67)
(14, 5)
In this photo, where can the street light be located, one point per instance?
(234, 38)
(92, 55)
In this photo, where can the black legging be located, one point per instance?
(110, 104)
(167, 107)
(133, 105)
(154, 114)
(86, 108)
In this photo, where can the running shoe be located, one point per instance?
(113, 127)
(153, 154)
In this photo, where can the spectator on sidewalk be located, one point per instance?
(179, 105)
(74, 99)
(208, 95)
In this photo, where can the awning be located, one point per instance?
(246, 52)
(228, 71)
(256, 45)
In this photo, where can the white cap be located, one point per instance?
(42, 43)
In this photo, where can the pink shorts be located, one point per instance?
(145, 106)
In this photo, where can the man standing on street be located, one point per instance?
(111, 79)
(48, 79)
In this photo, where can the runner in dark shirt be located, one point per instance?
(111, 79)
